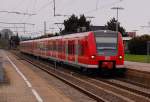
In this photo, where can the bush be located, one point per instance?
(138, 45)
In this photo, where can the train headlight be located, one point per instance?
(92, 57)
(120, 57)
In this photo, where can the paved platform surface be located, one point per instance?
(2, 78)
(25, 85)
(138, 66)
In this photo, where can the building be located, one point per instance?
(125, 42)
(94, 28)
(5, 36)
(131, 34)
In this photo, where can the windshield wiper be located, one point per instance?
(106, 48)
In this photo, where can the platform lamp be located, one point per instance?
(117, 9)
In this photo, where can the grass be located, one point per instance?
(137, 58)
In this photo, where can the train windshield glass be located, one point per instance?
(106, 43)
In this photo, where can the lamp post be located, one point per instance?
(59, 26)
(117, 9)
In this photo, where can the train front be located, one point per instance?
(109, 50)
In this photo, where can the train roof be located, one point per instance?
(75, 35)
(58, 37)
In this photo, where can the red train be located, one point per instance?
(101, 49)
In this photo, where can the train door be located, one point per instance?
(63, 49)
(45, 47)
(76, 51)
(56, 48)
(41, 48)
(71, 49)
(66, 49)
(59, 48)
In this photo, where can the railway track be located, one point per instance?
(139, 76)
(102, 90)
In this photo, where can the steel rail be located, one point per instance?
(55, 73)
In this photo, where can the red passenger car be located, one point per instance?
(93, 50)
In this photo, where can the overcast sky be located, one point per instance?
(135, 13)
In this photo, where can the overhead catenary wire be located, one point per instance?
(23, 18)
(33, 4)
(97, 2)
(19, 4)
(40, 9)
(102, 7)
(44, 6)
(16, 12)
(19, 13)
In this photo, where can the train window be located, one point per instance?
(106, 39)
(80, 49)
(50, 46)
(73, 49)
(40, 46)
(54, 46)
(46, 47)
(63, 45)
(59, 47)
(70, 47)
(106, 43)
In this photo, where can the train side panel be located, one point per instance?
(75, 49)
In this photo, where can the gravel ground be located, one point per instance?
(68, 91)
(130, 86)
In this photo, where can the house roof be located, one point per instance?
(127, 38)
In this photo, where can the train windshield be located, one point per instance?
(106, 43)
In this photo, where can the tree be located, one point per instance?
(111, 25)
(14, 41)
(82, 22)
(138, 45)
(73, 23)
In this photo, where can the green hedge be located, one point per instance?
(138, 45)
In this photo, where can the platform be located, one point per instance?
(145, 67)
(2, 73)
(25, 85)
